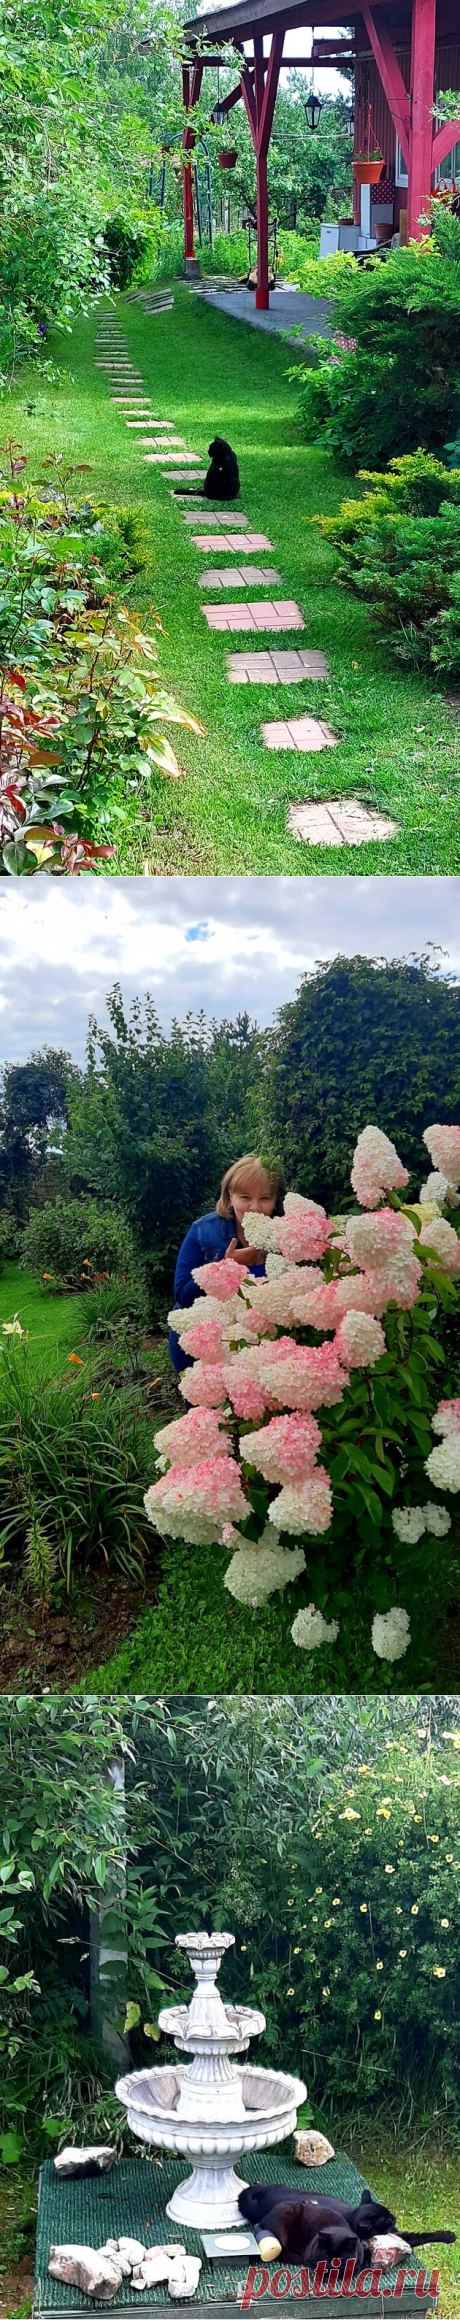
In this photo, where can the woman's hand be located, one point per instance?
(243, 1256)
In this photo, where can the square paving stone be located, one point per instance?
(339, 822)
(228, 540)
(158, 458)
(231, 577)
(275, 668)
(258, 616)
(215, 522)
(165, 425)
(300, 733)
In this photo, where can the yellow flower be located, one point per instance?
(290, 1993)
(364, 1768)
(349, 1815)
(379, 1966)
(296, 1953)
(387, 1800)
(363, 1908)
(318, 1888)
(389, 1870)
(414, 1909)
(402, 1953)
(398, 1910)
(433, 1840)
(291, 1904)
(449, 1856)
(382, 1814)
(377, 2015)
(445, 1921)
(440, 1972)
(325, 1993)
(244, 1945)
(417, 1816)
(327, 1922)
(336, 1903)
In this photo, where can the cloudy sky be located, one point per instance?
(221, 944)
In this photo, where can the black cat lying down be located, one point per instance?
(308, 2229)
(223, 477)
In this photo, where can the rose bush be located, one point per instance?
(344, 1324)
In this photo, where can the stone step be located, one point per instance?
(257, 616)
(300, 733)
(338, 822)
(253, 576)
(275, 668)
(215, 522)
(247, 546)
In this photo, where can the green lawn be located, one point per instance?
(198, 1639)
(53, 1324)
(399, 746)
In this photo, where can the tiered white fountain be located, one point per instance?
(210, 2111)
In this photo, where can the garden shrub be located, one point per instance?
(242, 1464)
(113, 1306)
(86, 699)
(69, 1243)
(126, 246)
(400, 549)
(367, 402)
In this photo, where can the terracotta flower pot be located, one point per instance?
(228, 158)
(368, 169)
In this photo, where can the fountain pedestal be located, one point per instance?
(210, 2110)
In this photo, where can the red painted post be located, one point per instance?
(262, 292)
(422, 124)
(190, 92)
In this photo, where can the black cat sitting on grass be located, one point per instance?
(223, 477)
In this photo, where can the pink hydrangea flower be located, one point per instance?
(446, 1418)
(360, 1340)
(304, 1506)
(443, 1145)
(303, 1377)
(376, 1168)
(194, 1502)
(357, 1292)
(304, 1230)
(204, 1340)
(374, 1240)
(318, 1307)
(440, 1236)
(222, 1278)
(284, 1450)
(204, 1385)
(197, 1435)
(396, 1283)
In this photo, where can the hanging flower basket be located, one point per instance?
(368, 168)
(369, 164)
(228, 158)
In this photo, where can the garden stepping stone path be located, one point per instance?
(300, 733)
(274, 668)
(338, 822)
(258, 616)
(318, 822)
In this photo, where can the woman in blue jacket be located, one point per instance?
(248, 1184)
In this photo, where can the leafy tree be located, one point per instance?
(362, 1041)
(33, 1108)
(157, 1119)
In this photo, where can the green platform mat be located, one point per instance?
(132, 2200)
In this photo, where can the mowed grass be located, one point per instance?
(398, 742)
(53, 1324)
(420, 2185)
(196, 1638)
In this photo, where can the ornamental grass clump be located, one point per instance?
(312, 1398)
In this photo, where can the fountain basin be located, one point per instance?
(208, 2200)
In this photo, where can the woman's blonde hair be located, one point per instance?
(244, 1175)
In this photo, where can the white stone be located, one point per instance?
(184, 2277)
(311, 2149)
(76, 2160)
(387, 2248)
(88, 2268)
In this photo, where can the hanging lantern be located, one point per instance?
(219, 116)
(313, 110)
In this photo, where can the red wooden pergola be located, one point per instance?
(401, 39)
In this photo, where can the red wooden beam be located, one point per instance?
(271, 86)
(226, 103)
(260, 102)
(443, 141)
(390, 75)
(421, 135)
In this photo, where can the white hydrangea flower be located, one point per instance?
(259, 1231)
(440, 1236)
(409, 1523)
(443, 1464)
(275, 1265)
(437, 1519)
(259, 1570)
(436, 1190)
(391, 1633)
(310, 1629)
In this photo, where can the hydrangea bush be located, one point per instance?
(313, 1398)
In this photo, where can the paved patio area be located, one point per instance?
(289, 308)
